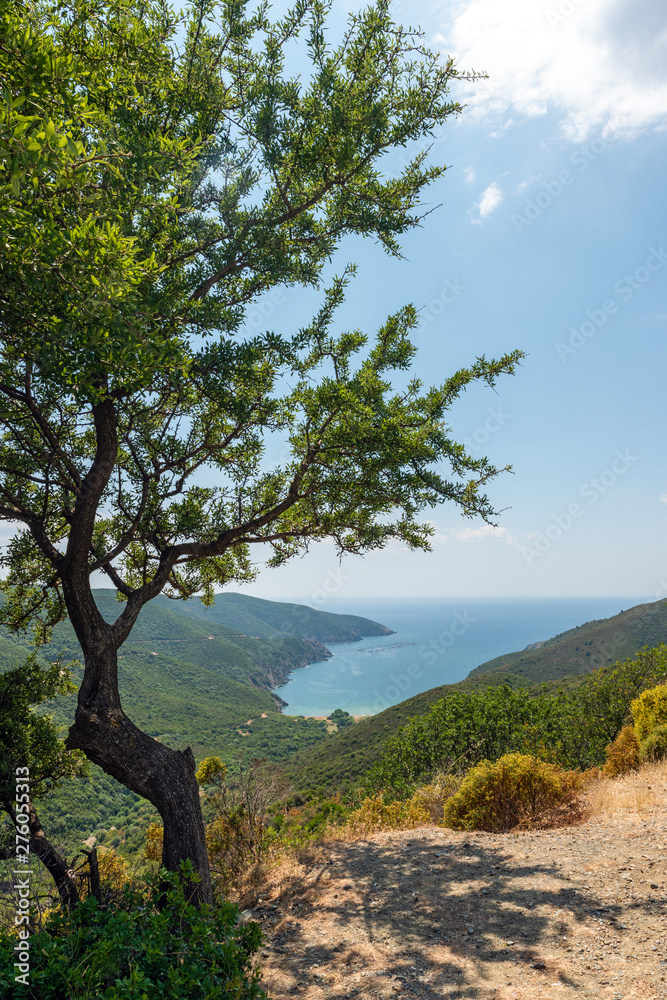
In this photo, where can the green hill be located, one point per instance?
(256, 617)
(244, 638)
(340, 760)
(582, 649)
(198, 677)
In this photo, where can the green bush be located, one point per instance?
(342, 718)
(499, 795)
(654, 747)
(650, 710)
(139, 950)
(571, 727)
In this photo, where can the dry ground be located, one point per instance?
(569, 913)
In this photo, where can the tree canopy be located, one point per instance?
(159, 171)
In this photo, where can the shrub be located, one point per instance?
(502, 794)
(649, 710)
(114, 873)
(154, 842)
(139, 950)
(341, 718)
(375, 814)
(622, 754)
(433, 798)
(654, 747)
(240, 838)
(570, 727)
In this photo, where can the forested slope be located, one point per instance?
(344, 758)
(582, 649)
(197, 677)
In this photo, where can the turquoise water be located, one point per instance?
(436, 641)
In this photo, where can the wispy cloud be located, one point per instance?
(524, 185)
(469, 175)
(485, 533)
(663, 498)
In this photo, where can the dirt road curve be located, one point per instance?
(428, 913)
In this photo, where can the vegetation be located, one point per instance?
(649, 710)
(341, 718)
(584, 648)
(152, 945)
(159, 172)
(33, 761)
(571, 728)
(622, 754)
(654, 746)
(502, 794)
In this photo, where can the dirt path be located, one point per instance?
(429, 913)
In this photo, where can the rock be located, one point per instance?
(471, 929)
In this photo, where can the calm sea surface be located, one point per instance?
(436, 641)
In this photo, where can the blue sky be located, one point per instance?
(550, 237)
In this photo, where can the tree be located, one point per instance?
(159, 172)
(341, 718)
(33, 760)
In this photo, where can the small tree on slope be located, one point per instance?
(158, 173)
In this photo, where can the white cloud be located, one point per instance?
(487, 532)
(488, 203)
(601, 64)
(469, 175)
(663, 498)
(490, 200)
(524, 185)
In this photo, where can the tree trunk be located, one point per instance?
(94, 874)
(164, 776)
(54, 862)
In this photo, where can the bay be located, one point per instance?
(435, 641)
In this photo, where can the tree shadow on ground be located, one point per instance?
(429, 917)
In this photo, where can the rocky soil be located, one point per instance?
(573, 912)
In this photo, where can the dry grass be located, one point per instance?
(639, 792)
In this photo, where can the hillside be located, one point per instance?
(587, 647)
(256, 617)
(343, 758)
(340, 760)
(191, 676)
(246, 639)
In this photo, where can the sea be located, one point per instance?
(435, 641)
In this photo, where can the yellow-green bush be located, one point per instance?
(654, 747)
(622, 754)
(374, 814)
(649, 710)
(516, 789)
(426, 805)
(432, 798)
